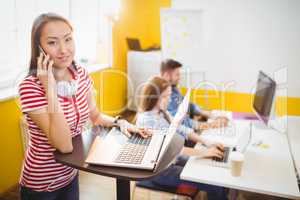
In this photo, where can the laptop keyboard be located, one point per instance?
(224, 159)
(228, 131)
(133, 150)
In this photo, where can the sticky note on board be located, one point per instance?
(264, 146)
(173, 54)
(185, 34)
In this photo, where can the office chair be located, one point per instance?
(181, 190)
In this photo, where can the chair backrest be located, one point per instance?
(184, 190)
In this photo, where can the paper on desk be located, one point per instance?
(221, 113)
(230, 135)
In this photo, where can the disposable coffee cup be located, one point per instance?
(236, 162)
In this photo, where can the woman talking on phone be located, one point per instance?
(57, 100)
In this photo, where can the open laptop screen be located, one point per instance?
(182, 109)
(134, 44)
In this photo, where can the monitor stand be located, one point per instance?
(279, 124)
(259, 125)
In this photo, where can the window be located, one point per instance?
(92, 31)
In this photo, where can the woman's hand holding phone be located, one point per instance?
(45, 73)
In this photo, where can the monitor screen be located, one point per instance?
(264, 96)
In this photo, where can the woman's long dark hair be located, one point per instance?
(36, 30)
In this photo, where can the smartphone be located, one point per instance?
(42, 50)
(44, 53)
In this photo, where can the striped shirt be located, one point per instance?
(40, 171)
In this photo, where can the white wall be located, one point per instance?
(91, 29)
(241, 37)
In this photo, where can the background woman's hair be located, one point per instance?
(151, 93)
(36, 30)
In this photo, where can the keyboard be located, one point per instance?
(224, 159)
(133, 151)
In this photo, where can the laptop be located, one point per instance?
(135, 45)
(136, 152)
(235, 142)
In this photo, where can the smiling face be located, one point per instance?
(57, 41)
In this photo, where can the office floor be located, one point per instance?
(100, 187)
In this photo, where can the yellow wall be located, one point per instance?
(139, 19)
(241, 102)
(11, 152)
(109, 90)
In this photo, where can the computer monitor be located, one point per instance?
(264, 98)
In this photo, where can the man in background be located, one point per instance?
(197, 119)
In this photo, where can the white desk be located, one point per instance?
(266, 170)
(294, 139)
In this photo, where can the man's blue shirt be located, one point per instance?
(174, 102)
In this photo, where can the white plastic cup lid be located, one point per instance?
(236, 156)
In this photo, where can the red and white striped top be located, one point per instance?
(40, 171)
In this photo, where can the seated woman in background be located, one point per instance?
(57, 100)
(153, 115)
